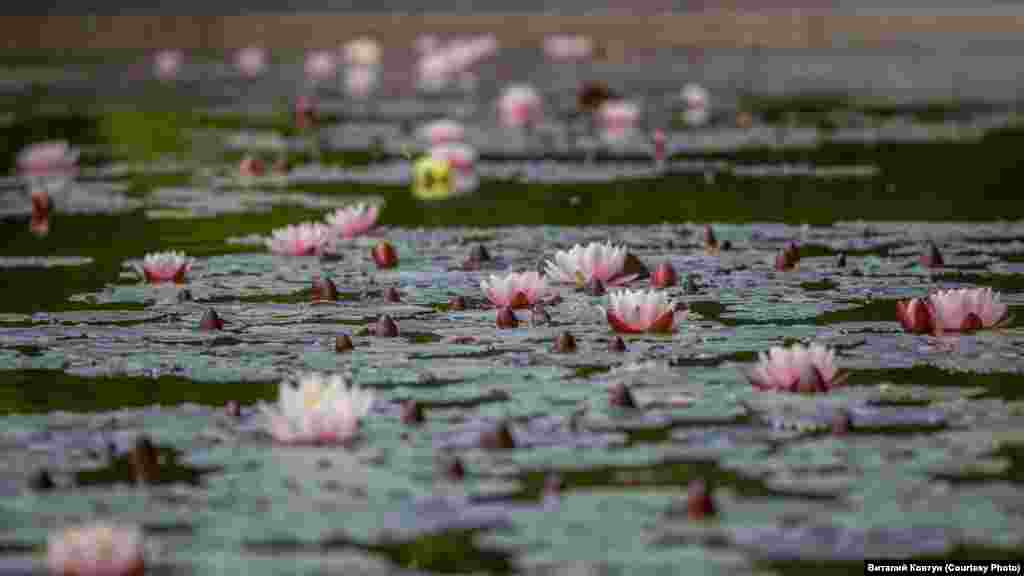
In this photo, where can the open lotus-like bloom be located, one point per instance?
(696, 104)
(54, 159)
(362, 52)
(442, 131)
(961, 310)
(320, 65)
(519, 106)
(563, 47)
(581, 264)
(806, 370)
(166, 267)
(634, 312)
(167, 63)
(617, 119)
(517, 290)
(96, 550)
(461, 159)
(306, 239)
(352, 221)
(320, 410)
(251, 61)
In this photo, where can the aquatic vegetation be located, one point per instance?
(353, 221)
(166, 267)
(305, 239)
(580, 264)
(320, 409)
(516, 290)
(664, 276)
(97, 550)
(798, 369)
(636, 311)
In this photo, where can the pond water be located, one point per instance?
(95, 360)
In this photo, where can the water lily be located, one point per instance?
(251, 61)
(166, 267)
(305, 239)
(960, 310)
(48, 166)
(353, 221)
(362, 52)
(566, 47)
(516, 290)
(167, 64)
(519, 106)
(319, 410)
(617, 120)
(581, 264)
(461, 159)
(696, 104)
(442, 131)
(800, 369)
(361, 81)
(633, 312)
(320, 66)
(97, 550)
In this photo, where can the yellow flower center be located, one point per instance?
(312, 397)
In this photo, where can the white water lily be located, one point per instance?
(321, 409)
(601, 261)
(516, 290)
(97, 550)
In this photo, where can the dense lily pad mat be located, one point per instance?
(930, 468)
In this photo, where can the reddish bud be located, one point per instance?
(454, 470)
(506, 318)
(384, 255)
(41, 204)
(392, 295)
(343, 343)
(660, 145)
(664, 275)
(252, 166)
(412, 413)
(232, 409)
(621, 396)
(498, 438)
(931, 257)
(710, 241)
(143, 461)
(617, 345)
(699, 504)
(211, 321)
(915, 315)
(841, 423)
(565, 343)
(386, 327)
(324, 290)
(457, 303)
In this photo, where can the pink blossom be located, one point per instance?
(516, 290)
(519, 106)
(306, 239)
(161, 267)
(354, 220)
(633, 312)
(798, 369)
(97, 550)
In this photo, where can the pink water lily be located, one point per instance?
(519, 106)
(251, 61)
(516, 290)
(320, 65)
(617, 119)
(97, 550)
(45, 159)
(632, 312)
(967, 309)
(161, 267)
(799, 369)
(167, 63)
(361, 81)
(581, 264)
(353, 221)
(461, 158)
(442, 131)
(319, 410)
(696, 103)
(306, 239)
(565, 47)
